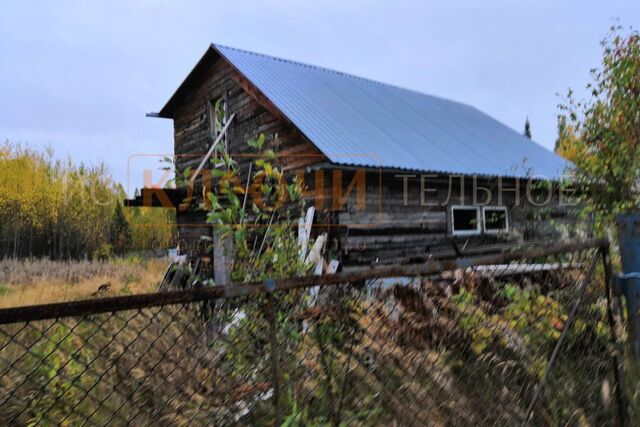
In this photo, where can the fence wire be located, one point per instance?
(526, 341)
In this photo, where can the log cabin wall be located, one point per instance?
(254, 115)
(398, 227)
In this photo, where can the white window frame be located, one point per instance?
(506, 219)
(475, 232)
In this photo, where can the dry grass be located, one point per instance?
(26, 282)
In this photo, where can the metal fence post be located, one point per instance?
(629, 241)
(612, 315)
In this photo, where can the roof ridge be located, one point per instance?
(341, 73)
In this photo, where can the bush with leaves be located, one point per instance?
(601, 135)
(259, 217)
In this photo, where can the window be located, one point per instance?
(465, 220)
(495, 219)
(473, 220)
(217, 119)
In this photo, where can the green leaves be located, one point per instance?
(213, 199)
(269, 155)
(235, 202)
(257, 143)
(510, 291)
(217, 173)
(258, 220)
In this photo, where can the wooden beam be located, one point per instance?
(300, 155)
(213, 147)
(257, 95)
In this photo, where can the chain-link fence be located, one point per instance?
(509, 339)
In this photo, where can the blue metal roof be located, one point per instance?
(356, 121)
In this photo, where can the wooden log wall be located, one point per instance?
(254, 115)
(395, 227)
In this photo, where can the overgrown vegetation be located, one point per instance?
(601, 135)
(461, 347)
(259, 217)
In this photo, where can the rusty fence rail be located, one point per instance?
(524, 337)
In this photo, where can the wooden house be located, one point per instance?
(428, 177)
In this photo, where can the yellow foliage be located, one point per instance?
(57, 209)
(151, 228)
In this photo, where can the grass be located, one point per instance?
(41, 281)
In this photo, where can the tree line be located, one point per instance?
(61, 210)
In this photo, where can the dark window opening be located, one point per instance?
(495, 219)
(465, 220)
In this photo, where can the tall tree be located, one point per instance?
(120, 230)
(602, 134)
(527, 128)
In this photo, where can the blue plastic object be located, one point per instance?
(629, 280)
(270, 284)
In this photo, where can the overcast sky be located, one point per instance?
(80, 76)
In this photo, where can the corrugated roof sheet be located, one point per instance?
(361, 122)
